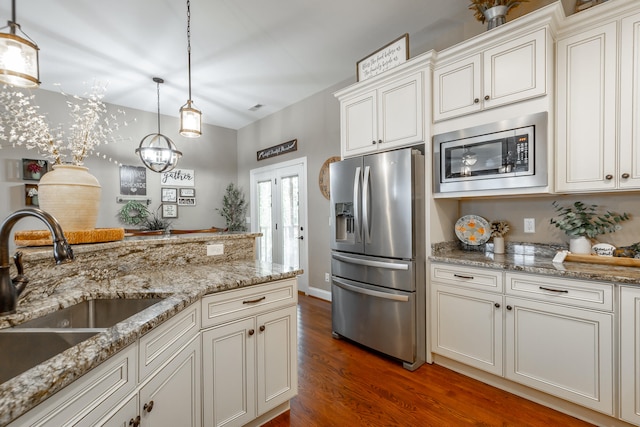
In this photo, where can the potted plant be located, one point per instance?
(583, 222)
(493, 11)
(234, 208)
(498, 229)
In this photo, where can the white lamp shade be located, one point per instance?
(18, 61)
(190, 121)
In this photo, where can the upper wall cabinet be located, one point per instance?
(598, 74)
(384, 112)
(511, 71)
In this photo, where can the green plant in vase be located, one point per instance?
(234, 208)
(583, 222)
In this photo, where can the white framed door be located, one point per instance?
(279, 211)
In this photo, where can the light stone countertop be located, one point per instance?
(176, 269)
(532, 258)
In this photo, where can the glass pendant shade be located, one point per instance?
(18, 56)
(158, 152)
(190, 121)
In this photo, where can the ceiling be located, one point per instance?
(244, 52)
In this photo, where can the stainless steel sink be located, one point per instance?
(22, 351)
(31, 343)
(96, 313)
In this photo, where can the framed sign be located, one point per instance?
(276, 150)
(169, 195)
(133, 180)
(169, 211)
(187, 192)
(383, 59)
(186, 201)
(33, 169)
(179, 178)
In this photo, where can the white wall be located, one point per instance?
(212, 157)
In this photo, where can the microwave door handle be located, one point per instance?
(365, 205)
(356, 203)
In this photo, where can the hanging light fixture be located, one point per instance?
(190, 116)
(18, 56)
(157, 151)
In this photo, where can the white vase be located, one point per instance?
(498, 245)
(580, 245)
(72, 195)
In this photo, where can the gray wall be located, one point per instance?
(212, 156)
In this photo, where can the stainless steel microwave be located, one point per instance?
(503, 155)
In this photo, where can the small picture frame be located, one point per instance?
(187, 192)
(186, 201)
(33, 169)
(169, 195)
(170, 211)
(31, 195)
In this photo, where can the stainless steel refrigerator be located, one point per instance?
(378, 253)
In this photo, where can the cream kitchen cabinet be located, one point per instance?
(467, 320)
(512, 70)
(598, 102)
(630, 354)
(249, 352)
(386, 111)
(559, 338)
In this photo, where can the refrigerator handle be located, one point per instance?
(370, 292)
(356, 203)
(365, 205)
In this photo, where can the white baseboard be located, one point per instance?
(319, 293)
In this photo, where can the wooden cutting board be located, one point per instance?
(608, 260)
(43, 237)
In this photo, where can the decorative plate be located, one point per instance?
(473, 230)
(323, 177)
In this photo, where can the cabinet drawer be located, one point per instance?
(230, 305)
(90, 397)
(163, 342)
(468, 277)
(584, 294)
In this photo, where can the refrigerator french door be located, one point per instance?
(377, 259)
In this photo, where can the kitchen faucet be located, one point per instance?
(10, 288)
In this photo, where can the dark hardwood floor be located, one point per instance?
(341, 384)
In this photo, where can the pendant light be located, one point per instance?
(18, 56)
(157, 151)
(190, 116)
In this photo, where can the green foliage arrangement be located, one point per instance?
(234, 208)
(154, 221)
(133, 213)
(584, 220)
(479, 6)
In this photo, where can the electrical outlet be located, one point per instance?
(529, 225)
(215, 249)
(327, 278)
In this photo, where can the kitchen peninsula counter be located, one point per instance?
(532, 258)
(176, 269)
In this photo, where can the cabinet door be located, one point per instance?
(228, 370)
(629, 166)
(125, 416)
(515, 70)
(563, 351)
(359, 124)
(277, 364)
(467, 326)
(172, 396)
(457, 89)
(586, 88)
(630, 354)
(400, 112)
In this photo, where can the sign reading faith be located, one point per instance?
(179, 178)
(277, 150)
(385, 58)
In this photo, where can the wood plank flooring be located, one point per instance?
(341, 384)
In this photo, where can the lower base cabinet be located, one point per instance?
(249, 366)
(630, 354)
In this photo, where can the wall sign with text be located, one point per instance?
(276, 150)
(133, 180)
(178, 178)
(383, 59)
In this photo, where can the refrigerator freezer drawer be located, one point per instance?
(390, 273)
(379, 318)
